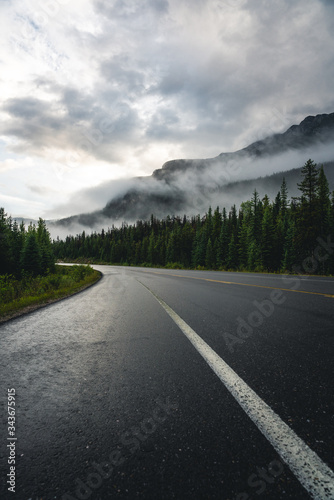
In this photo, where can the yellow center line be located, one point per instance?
(242, 284)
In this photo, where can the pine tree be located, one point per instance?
(254, 256)
(223, 241)
(31, 261)
(267, 243)
(284, 199)
(44, 243)
(232, 256)
(186, 243)
(290, 254)
(170, 252)
(277, 206)
(256, 218)
(323, 203)
(208, 224)
(5, 258)
(199, 249)
(216, 224)
(307, 211)
(309, 184)
(16, 245)
(245, 216)
(243, 245)
(281, 225)
(209, 256)
(331, 234)
(144, 250)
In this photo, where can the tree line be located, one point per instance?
(24, 251)
(263, 235)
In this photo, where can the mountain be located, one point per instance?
(190, 186)
(311, 131)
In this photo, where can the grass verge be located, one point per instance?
(19, 297)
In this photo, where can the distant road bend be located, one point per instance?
(162, 384)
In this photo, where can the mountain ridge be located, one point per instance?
(179, 186)
(310, 130)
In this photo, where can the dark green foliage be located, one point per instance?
(289, 253)
(31, 259)
(283, 199)
(324, 203)
(24, 251)
(210, 260)
(16, 294)
(268, 239)
(232, 255)
(264, 236)
(5, 257)
(309, 183)
(223, 241)
(45, 247)
(307, 210)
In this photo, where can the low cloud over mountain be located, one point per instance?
(190, 186)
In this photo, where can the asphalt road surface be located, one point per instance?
(163, 384)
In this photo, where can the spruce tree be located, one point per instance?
(223, 241)
(232, 256)
(255, 220)
(323, 203)
(309, 184)
(284, 199)
(199, 243)
(5, 258)
(216, 225)
(44, 243)
(209, 256)
(31, 260)
(267, 242)
(243, 245)
(16, 247)
(245, 217)
(290, 254)
(331, 234)
(277, 206)
(307, 211)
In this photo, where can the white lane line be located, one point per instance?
(316, 477)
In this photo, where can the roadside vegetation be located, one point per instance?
(29, 276)
(264, 235)
(24, 294)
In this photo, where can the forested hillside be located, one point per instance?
(263, 235)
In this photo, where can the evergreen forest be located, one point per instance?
(24, 251)
(279, 235)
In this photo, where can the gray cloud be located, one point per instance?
(27, 108)
(32, 121)
(149, 79)
(269, 56)
(130, 10)
(118, 73)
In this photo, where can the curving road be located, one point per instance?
(161, 384)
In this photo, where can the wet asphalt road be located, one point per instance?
(112, 400)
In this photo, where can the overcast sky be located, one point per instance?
(96, 90)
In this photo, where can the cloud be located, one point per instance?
(131, 10)
(94, 198)
(127, 85)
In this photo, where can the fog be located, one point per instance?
(189, 189)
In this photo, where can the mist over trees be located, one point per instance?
(263, 235)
